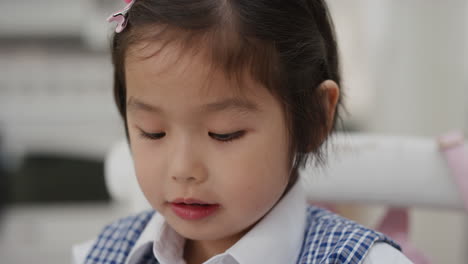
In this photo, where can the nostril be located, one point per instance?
(190, 179)
(184, 178)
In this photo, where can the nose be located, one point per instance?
(187, 165)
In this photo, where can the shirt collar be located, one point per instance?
(277, 238)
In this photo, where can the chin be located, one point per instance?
(197, 231)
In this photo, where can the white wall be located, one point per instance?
(418, 68)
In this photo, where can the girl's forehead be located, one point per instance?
(171, 66)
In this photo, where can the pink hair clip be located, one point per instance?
(121, 16)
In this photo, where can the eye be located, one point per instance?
(227, 137)
(151, 136)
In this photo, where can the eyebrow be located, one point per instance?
(134, 104)
(235, 104)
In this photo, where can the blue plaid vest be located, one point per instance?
(328, 238)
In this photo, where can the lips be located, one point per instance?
(193, 209)
(190, 201)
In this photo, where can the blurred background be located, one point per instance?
(404, 66)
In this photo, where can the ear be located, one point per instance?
(331, 93)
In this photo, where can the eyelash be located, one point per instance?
(219, 137)
(230, 136)
(151, 136)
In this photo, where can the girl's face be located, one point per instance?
(194, 137)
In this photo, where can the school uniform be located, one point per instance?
(292, 232)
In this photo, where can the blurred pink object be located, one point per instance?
(121, 16)
(395, 224)
(455, 151)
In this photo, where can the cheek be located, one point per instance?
(268, 157)
(256, 176)
(148, 168)
(252, 196)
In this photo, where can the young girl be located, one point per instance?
(223, 102)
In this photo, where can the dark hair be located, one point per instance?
(288, 46)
